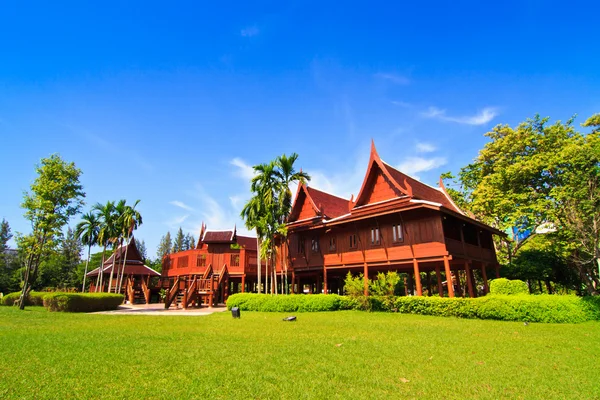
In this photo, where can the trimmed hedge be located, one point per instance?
(508, 287)
(525, 308)
(288, 303)
(82, 302)
(34, 299)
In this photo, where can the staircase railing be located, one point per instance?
(191, 293)
(172, 294)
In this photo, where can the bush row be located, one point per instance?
(71, 302)
(33, 299)
(82, 302)
(288, 303)
(542, 308)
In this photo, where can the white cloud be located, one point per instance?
(181, 204)
(250, 31)
(425, 147)
(244, 170)
(394, 78)
(413, 165)
(401, 104)
(483, 117)
(175, 222)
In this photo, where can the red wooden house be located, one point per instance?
(222, 262)
(395, 223)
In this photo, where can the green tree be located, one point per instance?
(107, 234)
(269, 207)
(141, 246)
(5, 235)
(54, 197)
(164, 247)
(9, 263)
(178, 243)
(131, 219)
(87, 231)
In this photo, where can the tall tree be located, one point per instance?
(141, 246)
(106, 234)
(5, 235)
(54, 197)
(179, 241)
(87, 231)
(269, 207)
(130, 221)
(164, 247)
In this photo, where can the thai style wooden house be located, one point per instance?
(395, 223)
(136, 276)
(222, 262)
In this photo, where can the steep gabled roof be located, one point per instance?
(322, 204)
(219, 236)
(329, 205)
(422, 191)
(133, 253)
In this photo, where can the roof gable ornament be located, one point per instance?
(375, 161)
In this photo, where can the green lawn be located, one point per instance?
(341, 355)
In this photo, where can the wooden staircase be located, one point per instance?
(210, 288)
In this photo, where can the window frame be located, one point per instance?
(353, 241)
(315, 246)
(375, 236)
(397, 233)
(332, 244)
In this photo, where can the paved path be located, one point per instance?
(159, 309)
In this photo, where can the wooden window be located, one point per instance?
(332, 244)
(234, 260)
(201, 261)
(300, 245)
(353, 241)
(314, 244)
(182, 262)
(375, 237)
(397, 234)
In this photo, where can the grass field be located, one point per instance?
(341, 355)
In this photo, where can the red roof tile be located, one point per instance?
(218, 237)
(330, 205)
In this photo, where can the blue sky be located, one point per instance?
(171, 103)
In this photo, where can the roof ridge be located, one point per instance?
(410, 176)
(327, 193)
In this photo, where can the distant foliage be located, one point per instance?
(508, 287)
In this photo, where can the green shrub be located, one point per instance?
(526, 308)
(508, 287)
(82, 302)
(288, 303)
(34, 299)
(354, 286)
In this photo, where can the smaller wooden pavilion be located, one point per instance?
(222, 262)
(136, 275)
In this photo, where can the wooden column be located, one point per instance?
(405, 286)
(428, 283)
(469, 279)
(411, 285)
(319, 285)
(438, 276)
(293, 282)
(497, 271)
(324, 280)
(486, 288)
(244, 283)
(366, 279)
(417, 277)
(448, 277)
(458, 287)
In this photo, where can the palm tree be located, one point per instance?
(250, 213)
(131, 220)
(117, 239)
(267, 210)
(87, 231)
(106, 233)
(287, 175)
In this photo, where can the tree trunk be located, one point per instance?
(123, 268)
(100, 277)
(112, 271)
(31, 272)
(258, 262)
(86, 268)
